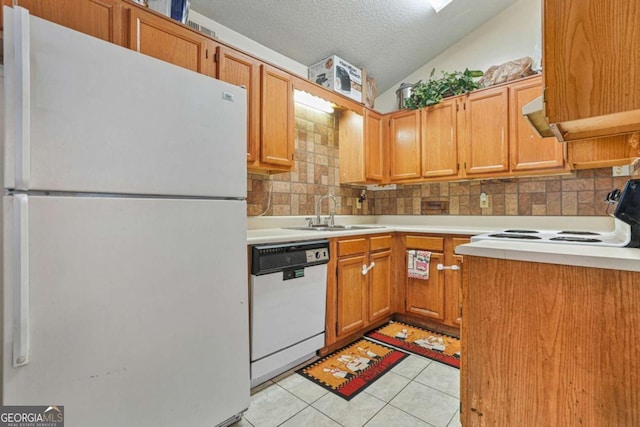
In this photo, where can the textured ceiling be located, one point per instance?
(389, 38)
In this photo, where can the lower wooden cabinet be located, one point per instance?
(549, 345)
(439, 297)
(363, 285)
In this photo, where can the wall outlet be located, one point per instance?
(484, 200)
(358, 203)
(624, 170)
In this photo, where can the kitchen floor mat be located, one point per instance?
(434, 345)
(348, 371)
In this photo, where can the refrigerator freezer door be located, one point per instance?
(85, 115)
(138, 309)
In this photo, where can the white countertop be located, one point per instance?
(269, 230)
(278, 235)
(583, 256)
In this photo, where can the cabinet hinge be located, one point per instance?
(336, 328)
(464, 105)
(544, 95)
(215, 57)
(465, 165)
(206, 53)
(457, 107)
(457, 166)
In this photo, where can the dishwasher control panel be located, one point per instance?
(317, 254)
(276, 257)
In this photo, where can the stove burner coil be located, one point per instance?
(576, 239)
(580, 233)
(515, 236)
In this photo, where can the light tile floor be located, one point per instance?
(416, 392)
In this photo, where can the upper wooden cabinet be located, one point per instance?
(404, 145)
(163, 39)
(479, 135)
(439, 125)
(591, 52)
(362, 147)
(486, 131)
(243, 70)
(277, 118)
(528, 150)
(98, 18)
(374, 146)
(270, 114)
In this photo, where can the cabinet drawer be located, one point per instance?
(352, 246)
(425, 242)
(377, 243)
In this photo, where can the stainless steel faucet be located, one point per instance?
(331, 213)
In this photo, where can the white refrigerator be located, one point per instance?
(124, 234)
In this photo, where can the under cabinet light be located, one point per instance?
(312, 101)
(438, 5)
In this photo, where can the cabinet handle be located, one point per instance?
(366, 269)
(440, 267)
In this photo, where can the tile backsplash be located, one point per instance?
(316, 174)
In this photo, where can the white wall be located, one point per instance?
(248, 45)
(514, 33)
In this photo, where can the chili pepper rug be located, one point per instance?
(350, 370)
(434, 345)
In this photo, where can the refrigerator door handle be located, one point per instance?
(22, 98)
(20, 280)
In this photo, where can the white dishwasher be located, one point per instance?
(288, 302)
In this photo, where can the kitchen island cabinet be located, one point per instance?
(549, 345)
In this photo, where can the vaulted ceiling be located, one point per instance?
(389, 38)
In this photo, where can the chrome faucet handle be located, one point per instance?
(309, 221)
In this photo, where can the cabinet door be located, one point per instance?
(601, 39)
(440, 140)
(351, 134)
(97, 18)
(351, 299)
(373, 146)
(242, 70)
(277, 120)
(426, 297)
(164, 39)
(404, 145)
(379, 286)
(453, 294)
(528, 150)
(486, 137)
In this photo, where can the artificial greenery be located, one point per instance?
(433, 90)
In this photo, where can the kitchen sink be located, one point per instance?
(336, 227)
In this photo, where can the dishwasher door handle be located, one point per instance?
(366, 269)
